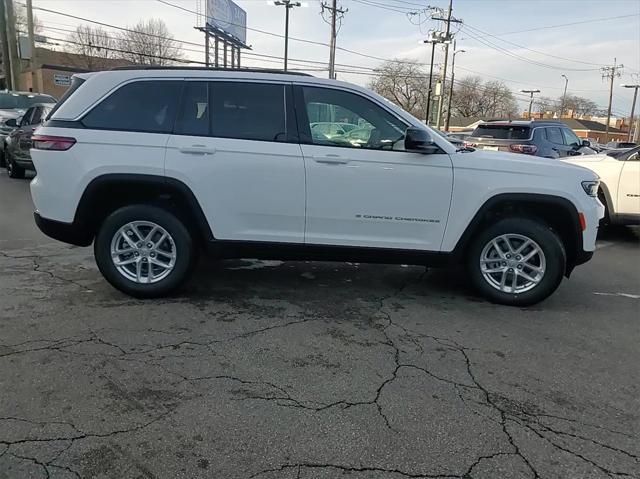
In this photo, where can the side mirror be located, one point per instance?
(418, 140)
(12, 122)
(586, 143)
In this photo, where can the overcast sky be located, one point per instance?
(382, 29)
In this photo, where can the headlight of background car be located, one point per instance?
(591, 187)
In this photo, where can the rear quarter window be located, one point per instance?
(144, 106)
(502, 132)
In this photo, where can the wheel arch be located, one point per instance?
(557, 212)
(106, 193)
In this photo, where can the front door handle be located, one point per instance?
(197, 150)
(331, 159)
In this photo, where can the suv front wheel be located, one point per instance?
(144, 251)
(517, 262)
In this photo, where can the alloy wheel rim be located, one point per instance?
(143, 252)
(512, 263)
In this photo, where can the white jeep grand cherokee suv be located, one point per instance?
(153, 165)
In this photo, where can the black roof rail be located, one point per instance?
(241, 70)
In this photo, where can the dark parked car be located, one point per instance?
(551, 139)
(18, 143)
(621, 144)
(13, 104)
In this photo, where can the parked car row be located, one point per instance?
(20, 114)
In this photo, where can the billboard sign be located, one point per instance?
(228, 17)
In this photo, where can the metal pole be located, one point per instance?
(14, 59)
(216, 51)
(453, 75)
(286, 34)
(206, 49)
(633, 110)
(239, 57)
(36, 80)
(6, 64)
(564, 95)
(224, 45)
(427, 116)
(613, 75)
(332, 41)
(443, 76)
(530, 106)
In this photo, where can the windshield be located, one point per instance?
(22, 101)
(502, 132)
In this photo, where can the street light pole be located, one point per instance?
(453, 76)
(633, 111)
(531, 92)
(288, 5)
(564, 95)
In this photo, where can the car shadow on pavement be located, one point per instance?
(620, 233)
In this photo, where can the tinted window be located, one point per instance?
(248, 111)
(571, 138)
(38, 113)
(502, 132)
(148, 106)
(26, 118)
(367, 124)
(554, 135)
(9, 100)
(193, 118)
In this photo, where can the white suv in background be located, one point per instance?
(154, 165)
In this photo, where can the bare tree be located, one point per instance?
(580, 106)
(93, 45)
(473, 97)
(545, 104)
(20, 14)
(403, 83)
(149, 42)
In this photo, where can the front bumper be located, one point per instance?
(71, 233)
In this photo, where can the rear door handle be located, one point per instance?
(331, 159)
(197, 150)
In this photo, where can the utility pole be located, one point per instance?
(453, 73)
(531, 92)
(610, 73)
(335, 11)
(288, 5)
(633, 132)
(564, 95)
(6, 63)
(428, 106)
(14, 59)
(36, 80)
(443, 74)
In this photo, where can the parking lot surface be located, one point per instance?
(267, 369)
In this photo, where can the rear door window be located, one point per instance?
(248, 111)
(145, 106)
(554, 135)
(193, 118)
(502, 132)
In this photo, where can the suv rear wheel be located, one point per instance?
(144, 251)
(517, 262)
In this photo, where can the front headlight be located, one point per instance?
(591, 187)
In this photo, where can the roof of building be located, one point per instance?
(576, 124)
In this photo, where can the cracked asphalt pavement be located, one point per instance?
(264, 369)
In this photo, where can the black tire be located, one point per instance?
(184, 247)
(540, 233)
(3, 163)
(13, 170)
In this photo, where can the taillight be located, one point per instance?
(525, 149)
(55, 143)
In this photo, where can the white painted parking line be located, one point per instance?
(623, 295)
